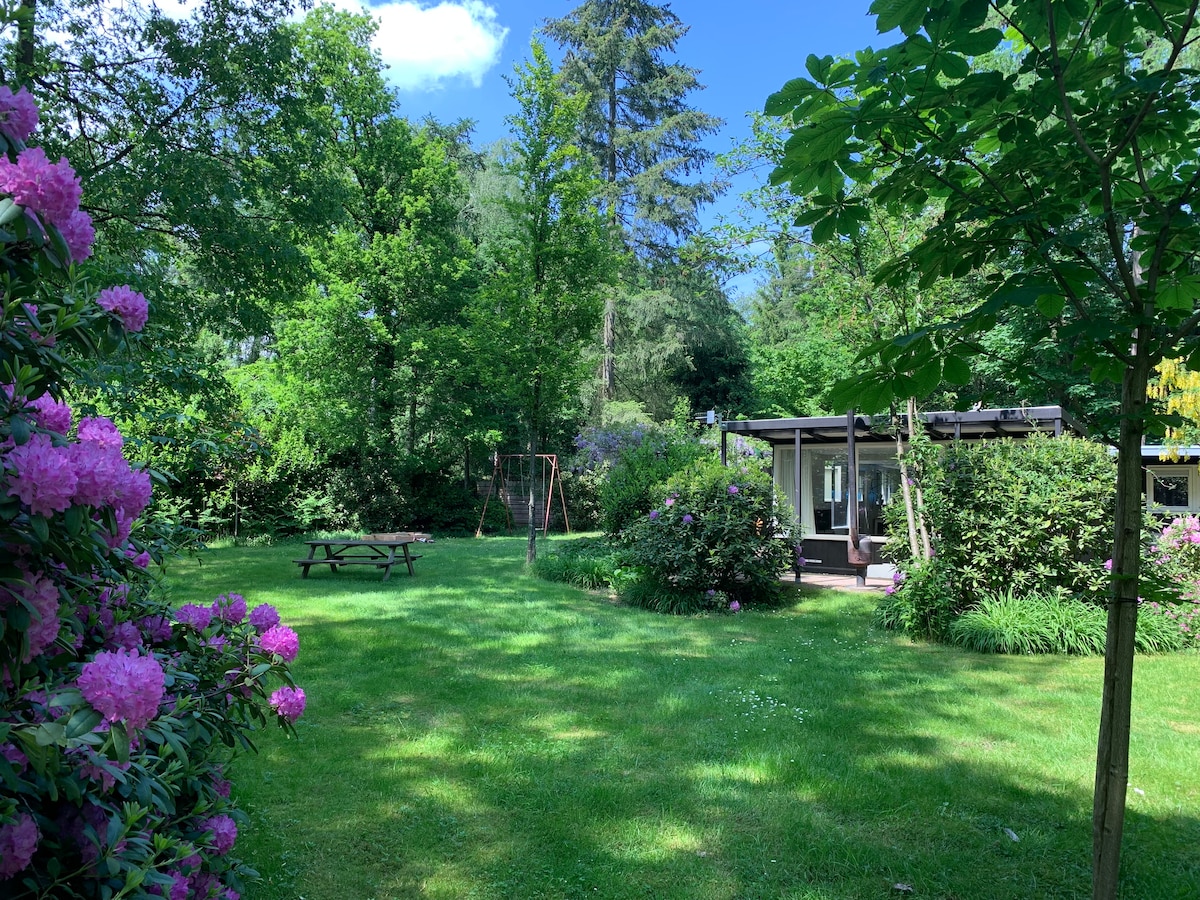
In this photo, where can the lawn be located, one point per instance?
(476, 733)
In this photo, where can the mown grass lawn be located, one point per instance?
(476, 733)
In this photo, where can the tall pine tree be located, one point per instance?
(639, 127)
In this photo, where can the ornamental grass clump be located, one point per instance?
(118, 714)
(712, 540)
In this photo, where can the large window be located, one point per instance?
(825, 496)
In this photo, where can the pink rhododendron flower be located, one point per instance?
(126, 635)
(288, 702)
(670, 501)
(100, 472)
(264, 616)
(224, 831)
(42, 594)
(142, 560)
(156, 629)
(130, 306)
(123, 684)
(99, 430)
(52, 415)
(734, 606)
(79, 235)
(18, 113)
(280, 640)
(17, 845)
(230, 608)
(199, 617)
(50, 189)
(45, 477)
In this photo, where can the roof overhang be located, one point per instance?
(973, 424)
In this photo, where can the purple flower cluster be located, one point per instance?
(224, 832)
(18, 113)
(41, 594)
(288, 702)
(17, 845)
(199, 617)
(230, 608)
(52, 191)
(123, 684)
(127, 304)
(263, 616)
(50, 477)
(281, 641)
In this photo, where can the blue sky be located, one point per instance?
(745, 49)
(449, 58)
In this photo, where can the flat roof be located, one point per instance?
(969, 424)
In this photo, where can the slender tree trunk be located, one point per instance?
(1112, 750)
(607, 367)
(922, 527)
(910, 514)
(531, 546)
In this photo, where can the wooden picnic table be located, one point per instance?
(378, 550)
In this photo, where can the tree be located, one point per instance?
(1069, 175)
(549, 259)
(638, 127)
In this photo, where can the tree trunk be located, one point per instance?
(531, 547)
(607, 368)
(910, 514)
(922, 527)
(1112, 751)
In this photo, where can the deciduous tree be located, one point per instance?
(1070, 176)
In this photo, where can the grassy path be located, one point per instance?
(475, 733)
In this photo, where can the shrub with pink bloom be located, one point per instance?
(288, 702)
(264, 616)
(88, 636)
(18, 842)
(281, 641)
(43, 475)
(224, 832)
(123, 685)
(49, 189)
(18, 113)
(127, 304)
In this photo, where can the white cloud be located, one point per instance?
(425, 45)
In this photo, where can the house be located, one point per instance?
(839, 472)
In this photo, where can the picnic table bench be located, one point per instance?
(378, 550)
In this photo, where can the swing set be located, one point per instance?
(512, 482)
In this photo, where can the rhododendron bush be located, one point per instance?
(118, 713)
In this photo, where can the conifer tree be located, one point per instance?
(639, 127)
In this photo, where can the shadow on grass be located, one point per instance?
(475, 733)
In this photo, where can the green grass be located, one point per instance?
(476, 733)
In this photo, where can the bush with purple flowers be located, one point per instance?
(117, 714)
(712, 542)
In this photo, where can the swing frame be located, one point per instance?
(502, 462)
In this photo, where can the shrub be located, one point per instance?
(711, 539)
(117, 715)
(1030, 518)
(632, 461)
(588, 563)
